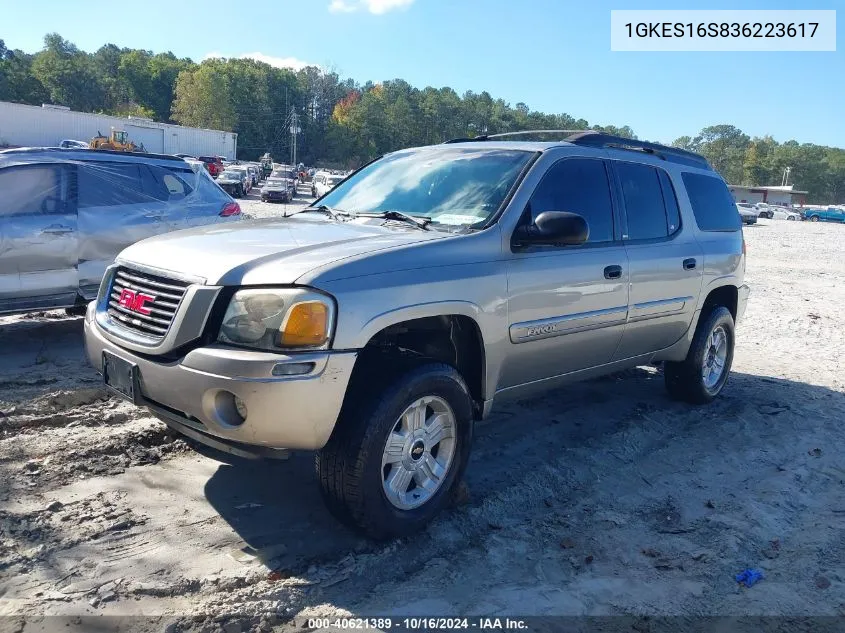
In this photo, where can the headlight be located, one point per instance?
(277, 319)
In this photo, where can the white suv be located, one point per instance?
(324, 182)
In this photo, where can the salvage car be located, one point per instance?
(233, 182)
(66, 214)
(214, 164)
(323, 183)
(747, 212)
(276, 190)
(247, 176)
(376, 326)
(780, 213)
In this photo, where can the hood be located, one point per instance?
(267, 252)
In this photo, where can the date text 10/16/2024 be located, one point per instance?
(416, 623)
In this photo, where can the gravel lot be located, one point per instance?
(601, 498)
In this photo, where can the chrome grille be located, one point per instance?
(166, 293)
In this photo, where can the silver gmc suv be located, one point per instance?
(378, 324)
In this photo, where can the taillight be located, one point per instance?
(230, 209)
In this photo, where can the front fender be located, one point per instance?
(417, 311)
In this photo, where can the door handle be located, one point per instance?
(154, 216)
(612, 272)
(56, 228)
(689, 264)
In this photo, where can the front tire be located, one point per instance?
(814, 218)
(396, 455)
(700, 377)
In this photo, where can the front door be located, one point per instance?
(38, 237)
(567, 305)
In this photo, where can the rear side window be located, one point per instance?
(670, 200)
(166, 184)
(644, 206)
(110, 185)
(712, 204)
(578, 185)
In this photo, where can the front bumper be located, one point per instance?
(195, 392)
(275, 195)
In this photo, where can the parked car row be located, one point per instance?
(751, 211)
(66, 214)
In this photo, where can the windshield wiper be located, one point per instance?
(419, 221)
(324, 208)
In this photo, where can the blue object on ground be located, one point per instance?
(749, 577)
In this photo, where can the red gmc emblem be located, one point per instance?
(135, 301)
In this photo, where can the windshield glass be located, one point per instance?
(230, 174)
(450, 185)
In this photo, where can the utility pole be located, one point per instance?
(785, 180)
(294, 131)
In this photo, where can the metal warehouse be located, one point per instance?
(47, 125)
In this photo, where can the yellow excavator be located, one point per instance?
(118, 140)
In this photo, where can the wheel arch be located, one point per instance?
(430, 333)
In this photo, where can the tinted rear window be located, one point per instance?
(643, 201)
(712, 204)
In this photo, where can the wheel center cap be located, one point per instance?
(417, 450)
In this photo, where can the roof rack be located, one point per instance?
(593, 138)
(675, 154)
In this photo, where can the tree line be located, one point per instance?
(344, 123)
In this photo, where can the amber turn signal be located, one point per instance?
(307, 325)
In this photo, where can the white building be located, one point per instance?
(781, 195)
(46, 126)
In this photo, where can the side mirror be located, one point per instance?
(553, 227)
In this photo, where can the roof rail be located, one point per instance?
(466, 139)
(563, 134)
(593, 138)
(90, 152)
(673, 154)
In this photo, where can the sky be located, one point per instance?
(553, 55)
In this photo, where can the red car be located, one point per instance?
(214, 164)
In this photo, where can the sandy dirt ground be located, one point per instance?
(601, 498)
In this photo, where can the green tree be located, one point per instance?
(68, 75)
(203, 98)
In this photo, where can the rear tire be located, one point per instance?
(369, 474)
(692, 379)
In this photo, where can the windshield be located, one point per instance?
(450, 185)
(230, 174)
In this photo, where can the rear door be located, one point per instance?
(664, 257)
(38, 237)
(117, 207)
